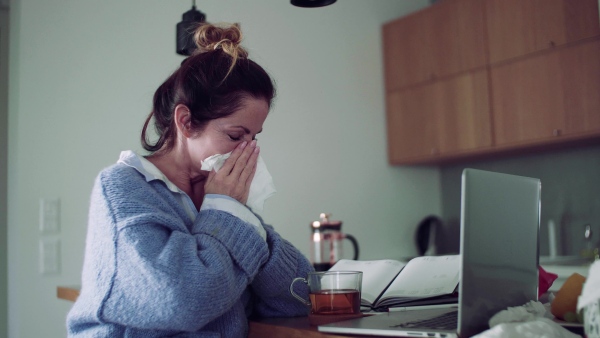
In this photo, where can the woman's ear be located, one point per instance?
(183, 120)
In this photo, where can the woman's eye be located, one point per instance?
(235, 137)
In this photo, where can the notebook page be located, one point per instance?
(426, 276)
(377, 274)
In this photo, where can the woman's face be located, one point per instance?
(222, 135)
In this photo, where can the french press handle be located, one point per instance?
(354, 244)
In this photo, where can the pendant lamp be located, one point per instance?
(311, 3)
(185, 30)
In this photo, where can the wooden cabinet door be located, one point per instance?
(444, 39)
(439, 120)
(551, 95)
(412, 125)
(506, 40)
(519, 27)
(580, 69)
(526, 99)
(558, 22)
(463, 110)
(459, 36)
(407, 52)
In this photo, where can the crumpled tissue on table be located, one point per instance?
(589, 301)
(262, 186)
(590, 292)
(529, 320)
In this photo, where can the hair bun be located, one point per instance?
(227, 37)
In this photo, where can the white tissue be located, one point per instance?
(529, 320)
(525, 313)
(262, 186)
(590, 292)
(541, 327)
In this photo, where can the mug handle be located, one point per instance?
(302, 300)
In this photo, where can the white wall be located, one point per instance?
(82, 77)
(3, 167)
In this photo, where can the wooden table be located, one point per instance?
(296, 327)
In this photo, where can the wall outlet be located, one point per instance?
(49, 256)
(49, 215)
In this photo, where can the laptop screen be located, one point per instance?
(500, 218)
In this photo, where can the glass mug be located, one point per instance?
(332, 292)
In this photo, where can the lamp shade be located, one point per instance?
(311, 3)
(185, 30)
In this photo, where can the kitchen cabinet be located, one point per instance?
(469, 78)
(464, 113)
(580, 66)
(412, 124)
(442, 40)
(408, 56)
(517, 28)
(548, 98)
(440, 119)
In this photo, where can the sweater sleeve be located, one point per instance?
(271, 284)
(164, 276)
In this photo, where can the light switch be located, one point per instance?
(49, 256)
(49, 215)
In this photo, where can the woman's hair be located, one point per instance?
(212, 83)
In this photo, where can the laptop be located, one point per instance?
(500, 219)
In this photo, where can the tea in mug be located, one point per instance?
(331, 292)
(335, 302)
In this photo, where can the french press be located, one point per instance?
(326, 242)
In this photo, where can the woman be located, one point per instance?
(172, 250)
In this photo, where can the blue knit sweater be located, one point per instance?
(151, 270)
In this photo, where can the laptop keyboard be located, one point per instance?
(447, 321)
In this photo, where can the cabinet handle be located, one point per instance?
(556, 132)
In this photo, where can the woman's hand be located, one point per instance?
(234, 178)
